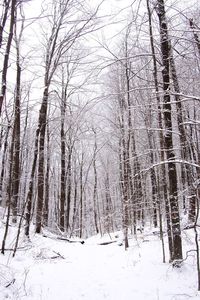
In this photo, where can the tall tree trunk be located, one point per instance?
(163, 178)
(63, 162)
(81, 199)
(9, 193)
(47, 180)
(168, 142)
(186, 170)
(7, 53)
(16, 163)
(6, 4)
(29, 198)
(69, 187)
(40, 174)
(95, 187)
(75, 202)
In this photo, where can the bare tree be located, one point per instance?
(58, 43)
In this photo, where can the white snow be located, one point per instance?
(50, 269)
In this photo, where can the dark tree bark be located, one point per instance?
(7, 53)
(196, 37)
(162, 186)
(9, 194)
(3, 163)
(124, 179)
(47, 179)
(63, 159)
(17, 130)
(168, 142)
(40, 175)
(69, 186)
(75, 210)
(4, 17)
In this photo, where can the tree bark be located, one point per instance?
(40, 174)
(63, 161)
(7, 54)
(4, 19)
(95, 185)
(168, 142)
(16, 132)
(162, 183)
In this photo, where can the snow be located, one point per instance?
(50, 269)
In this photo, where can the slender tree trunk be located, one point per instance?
(153, 182)
(6, 4)
(196, 37)
(47, 180)
(29, 199)
(3, 163)
(81, 200)
(197, 240)
(95, 185)
(75, 204)
(108, 206)
(16, 163)
(40, 174)
(69, 187)
(9, 193)
(7, 54)
(125, 192)
(63, 168)
(186, 171)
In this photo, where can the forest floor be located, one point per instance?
(50, 269)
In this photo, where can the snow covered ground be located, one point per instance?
(50, 269)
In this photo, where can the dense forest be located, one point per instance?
(99, 119)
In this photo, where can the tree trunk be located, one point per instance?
(29, 198)
(163, 181)
(63, 165)
(95, 187)
(7, 54)
(69, 187)
(4, 19)
(3, 163)
(16, 163)
(9, 193)
(81, 200)
(47, 180)
(40, 174)
(168, 142)
(196, 37)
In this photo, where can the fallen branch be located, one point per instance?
(107, 243)
(58, 255)
(63, 239)
(10, 283)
